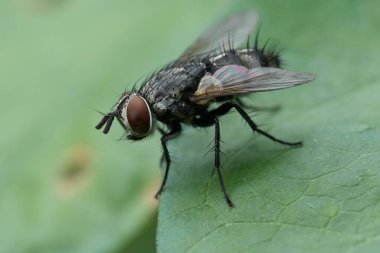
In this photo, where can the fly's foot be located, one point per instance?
(157, 195)
(296, 144)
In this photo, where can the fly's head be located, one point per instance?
(133, 113)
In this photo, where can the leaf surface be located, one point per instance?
(323, 197)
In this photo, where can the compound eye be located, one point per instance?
(139, 116)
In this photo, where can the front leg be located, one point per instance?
(174, 132)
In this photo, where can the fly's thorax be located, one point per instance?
(135, 115)
(168, 90)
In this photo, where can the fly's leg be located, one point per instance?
(255, 128)
(209, 119)
(174, 132)
(226, 107)
(162, 158)
(217, 163)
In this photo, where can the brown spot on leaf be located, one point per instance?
(75, 171)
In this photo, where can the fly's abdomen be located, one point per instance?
(248, 57)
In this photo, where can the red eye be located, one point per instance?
(138, 116)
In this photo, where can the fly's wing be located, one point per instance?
(233, 30)
(234, 80)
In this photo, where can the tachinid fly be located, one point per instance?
(211, 71)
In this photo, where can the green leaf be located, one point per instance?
(323, 197)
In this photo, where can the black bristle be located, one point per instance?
(256, 45)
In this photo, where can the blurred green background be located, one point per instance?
(65, 187)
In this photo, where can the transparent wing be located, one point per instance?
(233, 30)
(234, 80)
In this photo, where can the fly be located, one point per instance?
(211, 71)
